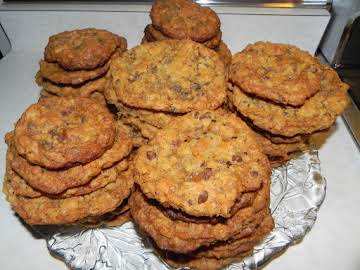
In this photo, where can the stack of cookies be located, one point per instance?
(155, 82)
(285, 95)
(67, 162)
(203, 190)
(75, 62)
(184, 19)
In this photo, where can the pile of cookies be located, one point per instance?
(155, 82)
(67, 162)
(75, 62)
(286, 96)
(203, 190)
(185, 19)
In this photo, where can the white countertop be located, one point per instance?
(331, 244)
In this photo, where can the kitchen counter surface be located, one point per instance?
(333, 241)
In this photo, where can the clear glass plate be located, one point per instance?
(297, 191)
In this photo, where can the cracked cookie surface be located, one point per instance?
(59, 132)
(201, 163)
(318, 112)
(171, 75)
(182, 19)
(279, 72)
(83, 49)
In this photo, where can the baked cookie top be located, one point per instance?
(57, 181)
(171, 76)
(59, 132)
(83, 49)
(201, 163)
(278, 72)
(181, 19)
(318, 112)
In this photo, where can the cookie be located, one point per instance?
(276, 139)
(146, 130)
(181, 19)
(84, 90)
(184, 237)
(63, 132)
(172, 76)
(278, 72)
(152, 34)
(224, 53)
(201, 163)
(21, 188)
(57, 75)
(246, 200)
(204, 263)
(57, 181)
(232, 247)
(223, 254)
(156, 119)
(144, 40)
(114, 218)
(279, 150)
(84, 49)
(318, 113)
(44, 210)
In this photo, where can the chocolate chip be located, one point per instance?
(228, 163)
(207, 173)
(65, 113)
(195, 86)
(236, 158)
(83, 119)
(254, 173)
(150, 155)
(203, 196)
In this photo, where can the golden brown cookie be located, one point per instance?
(171, 75)
(246, 200)
(106, 176)
(280, 150)
(60, 132)
(182, 19)
(114, 218)
(203, 263)
(96, 96)
(57, 181)
(225, 53)
(155, 118)
(152, 34)
(184, 237)
(201, 163)
(83, 49)
(278, 72)
(43, 210)
(54, 73)
(144, 40)
(84, 90)
(318, 113)
(234, 247)
(146, 130)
